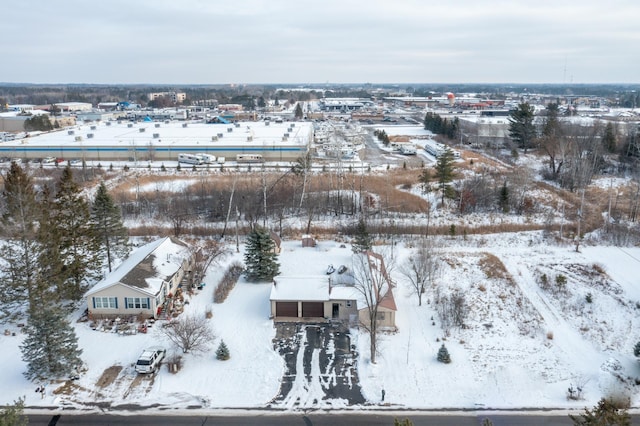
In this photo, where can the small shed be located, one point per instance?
(308, 241)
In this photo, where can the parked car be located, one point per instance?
(150, 360)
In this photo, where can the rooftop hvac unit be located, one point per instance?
(229, 129)
(156, 135)
(89, 135)
(286, 135)
(237, 124)
(108, 123)
(184, 124)
(78, 138)
(93, 127)
(214, 138)
(266, 123)
(220, 135)
(70, 132)
(130, 125)
(141, 129)
(157, 125)
(293, 125)
(166, 122)
(249, 138)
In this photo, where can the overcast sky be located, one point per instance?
(337, 41)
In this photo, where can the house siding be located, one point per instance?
(120, 292)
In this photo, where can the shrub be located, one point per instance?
(443, 355)
(228, 281)
(589, 298)
(223, 352)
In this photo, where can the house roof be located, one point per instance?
(311, 288)
(148, 267)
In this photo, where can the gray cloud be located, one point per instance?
(279, 41)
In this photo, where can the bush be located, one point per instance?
(589, 298)
(228, 281)
(443, 355)
(223, 352)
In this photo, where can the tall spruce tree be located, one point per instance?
(50, 348)
(260, 257)
(361, 239)
(107, 221)
(49, 260)
(19, 267)
(521, 128)
(444, 172)
(79, 246)
(609, 139)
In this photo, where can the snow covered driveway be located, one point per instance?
(320, 369)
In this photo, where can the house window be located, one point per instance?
(380, 316)
(105, 303)
(348, 303)
(137, 303)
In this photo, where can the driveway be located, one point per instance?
(321, 370)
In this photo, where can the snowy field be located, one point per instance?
(522, 346)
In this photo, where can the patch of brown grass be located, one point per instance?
(493, 267)
(109, 376)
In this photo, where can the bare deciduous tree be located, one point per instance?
(189, 333)
(421, 269)
(372, 281)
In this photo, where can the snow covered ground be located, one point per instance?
(523, 346)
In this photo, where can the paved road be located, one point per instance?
(321, 369)
(276, 419)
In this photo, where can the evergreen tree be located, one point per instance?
(503, 198)
(79, 245)
(223, 352)
(361, 239)
(49, 260)
(606, 413)
(50, 348)
(444, 172)
(609, 139)
(13, 415)
(107, 222)
(19, 269)
(443, 355)
(425, 180)
(636, 349)
(298, 112)
(521, 128)
(260, 258)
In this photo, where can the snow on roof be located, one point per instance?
(147, 267)
(305, 288)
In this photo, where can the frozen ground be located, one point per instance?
(522, 347)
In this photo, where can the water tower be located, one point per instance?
(451, 98)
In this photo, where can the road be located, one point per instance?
(309, 419)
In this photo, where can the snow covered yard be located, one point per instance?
(522, 345)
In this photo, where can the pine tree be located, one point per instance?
(13, 415)
(298, 112)
(50, 348)
(443, 355)
(636, 349)
(606, 413)
(425, 180)
(49, 261)
(609, 138)
(79, 245)
(19, 269)
(361, 239)
(503, 198)
(521, 128)
(444, 172)
(107, 222)
(223, 352)
(260, 258)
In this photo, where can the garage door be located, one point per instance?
(286, 309)
(312, 309)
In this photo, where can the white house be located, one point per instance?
(145, 283)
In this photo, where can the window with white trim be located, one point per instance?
(137, 303)
(105, 302)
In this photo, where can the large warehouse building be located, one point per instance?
(163, 141)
